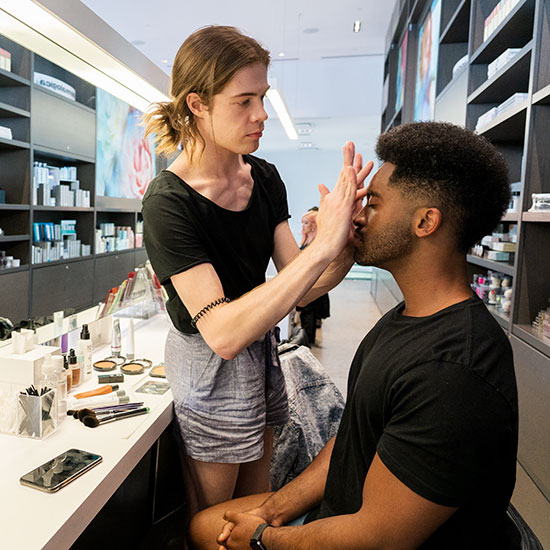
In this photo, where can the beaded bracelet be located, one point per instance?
(207, 308)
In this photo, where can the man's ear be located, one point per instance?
(427, 221)
(195, 104)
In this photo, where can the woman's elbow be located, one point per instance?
(223, 345)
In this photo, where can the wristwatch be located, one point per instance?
(256, 540)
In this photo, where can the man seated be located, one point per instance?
(425, 455)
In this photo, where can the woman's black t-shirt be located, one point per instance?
(182, 229)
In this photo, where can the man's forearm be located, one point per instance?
(303, 493)
(341, 532)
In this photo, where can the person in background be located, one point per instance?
(212, 221)
(425, 455)
(311, 315)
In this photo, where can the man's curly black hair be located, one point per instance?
(456, 170)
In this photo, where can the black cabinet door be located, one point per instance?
(110, 271)
(14, 296)
(62, 286)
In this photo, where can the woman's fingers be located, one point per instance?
(364, 172)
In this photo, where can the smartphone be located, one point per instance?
(58, 472)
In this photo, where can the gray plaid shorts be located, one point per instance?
(222, 407)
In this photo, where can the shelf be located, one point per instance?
(510, 217)
(456, 30)
(527, 334)
(502, 318)
(66, 156)
(13, 144)
(14, 238)
(14, 269)
(391, 123)
(15, 207)
(117, 204)
(512, 78)
(542, 97)
(507, 269)
(63, 261)
(41, 208)
(7, 78)
(508, 126)
(115, 252)
(65, 99)
(536, 217)
(8, 111)
(451, 83)
(514, 32)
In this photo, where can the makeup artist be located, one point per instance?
(212, 221)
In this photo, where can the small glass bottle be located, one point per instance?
(75, 368)
(68, 373)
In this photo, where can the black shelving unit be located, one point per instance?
(520, 133)
(33, 113)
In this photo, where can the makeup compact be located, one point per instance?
(158, 372)
(117, 359)
(104, 365)
(132, 367)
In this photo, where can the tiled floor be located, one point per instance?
(353, 313)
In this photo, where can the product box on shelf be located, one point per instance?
(501, 60)
(5, 132)
(5, 60)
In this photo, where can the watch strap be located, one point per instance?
(256, 539)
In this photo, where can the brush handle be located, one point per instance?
(121, 415)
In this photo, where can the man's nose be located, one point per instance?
(361, 219)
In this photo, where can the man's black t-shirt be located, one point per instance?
(182, 229)
(436, 398)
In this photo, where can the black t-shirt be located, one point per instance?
(182, 229)
(436, 398)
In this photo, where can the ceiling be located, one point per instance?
(329, 76)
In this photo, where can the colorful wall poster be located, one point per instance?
(125, 158)
(426, 64)
(401, 68)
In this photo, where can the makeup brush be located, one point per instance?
(94, 421)
(76, 413)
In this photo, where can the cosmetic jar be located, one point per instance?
(158, 372)
(104, 365)
(132, 368)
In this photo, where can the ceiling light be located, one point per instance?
(281, 54)
(282, 112)
(164, 60)
(356, 26)
(36, 29)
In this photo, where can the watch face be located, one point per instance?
(257, 545)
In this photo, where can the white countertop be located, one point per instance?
(32, 519)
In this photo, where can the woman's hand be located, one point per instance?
(338, 208)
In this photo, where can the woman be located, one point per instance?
(211, 223)
(311, 315)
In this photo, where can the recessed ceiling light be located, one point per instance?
(356, 26)
(164, 60)
(281, 54)
(311, 30)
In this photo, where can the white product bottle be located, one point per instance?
(85, 352)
